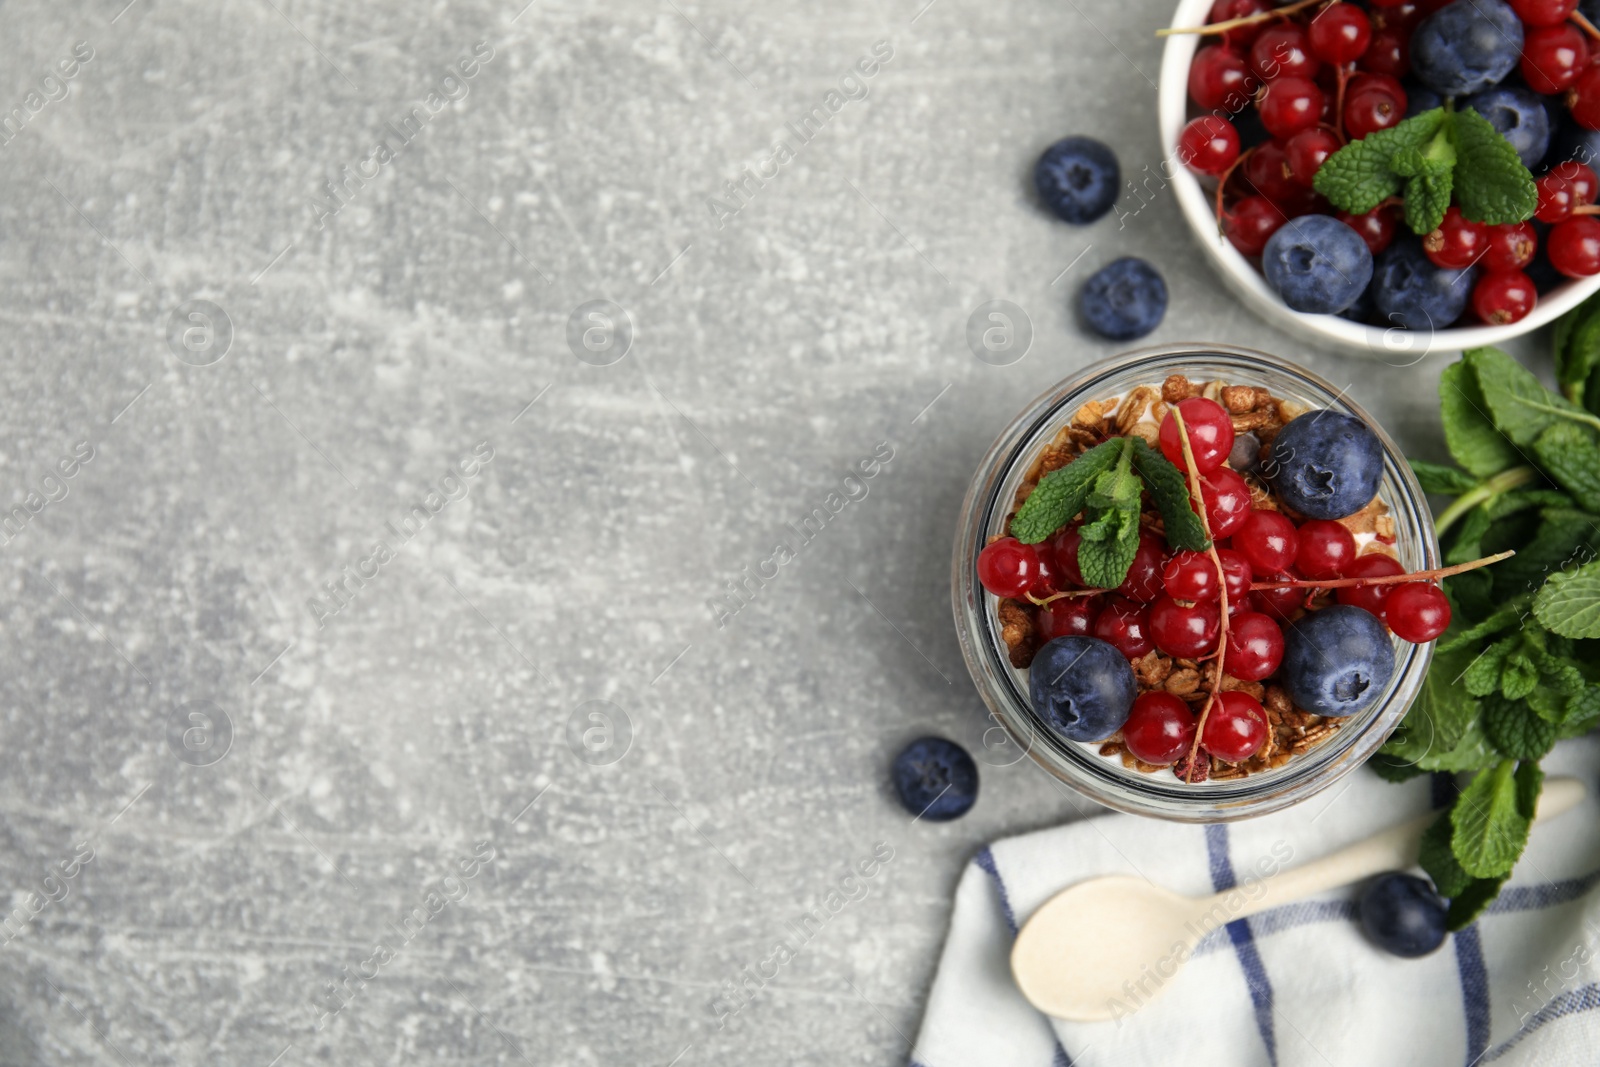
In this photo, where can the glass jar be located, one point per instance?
(1005, 689)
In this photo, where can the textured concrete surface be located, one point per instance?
(503, 789)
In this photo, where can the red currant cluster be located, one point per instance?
(1326, 74)
(1172, 603)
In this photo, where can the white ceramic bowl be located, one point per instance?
(1198, 205)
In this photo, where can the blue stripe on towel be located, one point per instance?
(1474, 991)
(1586, 998)
(985, 859)
(1244, 945)
(1061, 1059)
(1533, 897)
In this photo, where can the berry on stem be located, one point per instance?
(1236, 727)
(1250, 223)
(1457, 243)
(1372, 109)
(1268, 541)
(1008, 568)
(1567, 186)
(1553, 57)
(1126, 626)
(1208, 145)
(1574, 247)
(1371, 597)
(1227, 499)
(1417, 611)
(1184, 630)
(1307, 150)
(1220, 78)
(1283, 50)
(1255, 646)
(1071, 616)
(1290, 104)
(1376, 227)
(1340, 33)
(1160, 728)
(1511, 247)
(1210, 434)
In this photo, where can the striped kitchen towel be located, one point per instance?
(1298, 985)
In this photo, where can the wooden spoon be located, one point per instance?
(1075, 956)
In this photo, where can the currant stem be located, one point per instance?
(1585, 25)
(1387, 579)
(1222, 184)
(1053, 597)
(1244, 20)
(1198, 499)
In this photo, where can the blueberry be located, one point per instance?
(1402, 914)
(1078, 178)
(1520, 117)
(1466, 46)
(1410, 292)
(1246, 454)
(1325, 464)
(1420, 98)
(1362, 310)
(1317, 264)
(1083, 687)
(1124, 299)
(936, 779)
(1336, 660)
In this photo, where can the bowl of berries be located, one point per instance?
(1124, 514)
(1399, 176)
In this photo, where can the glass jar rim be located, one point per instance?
(1105, 781)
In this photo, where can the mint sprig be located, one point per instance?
(1061, 494)
(1430, 158)
(1516, 672)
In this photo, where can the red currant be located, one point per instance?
(1048, 583)
(1584, 99)
(1417, 611)
(1373, 109)
(1250, 222)
(1071, 616)
(1283, 50)
(1143, 582)
(1184, 630)
(1008, 568)
(1307, 151)
(1280, 602)
(1236, 727)
(1574, 247)
(1340, 33)
(1289, 104)
(1208, 145)
(1190, 576)
(1457, 243)
(1220, 78)
(1553, 57)
(1268, 541)
(1063, 549)
(1236, 573)
(1268, 170)
(1568, 185)
(1255, 647)
(1371, 597)
(1326, 549)
(1228, 10)
(1227, 499)
(1504, 297)
(1126, 626)
(1160, 728)
(1389, 52)
(1210, 433)
(1376, 227)
(1511, 246)
(1543, 12)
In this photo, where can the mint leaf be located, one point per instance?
(1427, 191)
(1061, 494)
(1445, 708)
(1569, 603)
(1468, 542)
(1441, 479)
(1439, 861)
(1530, 783)
(1506, 617)
(1518, 676)
(1471, 902)
(1492, 185)
(1488, 830)
(1577, 346)
(1563, 536)
(1393, 768)
(1468, 431)
(1473, 752)
(1358, 176)
(1583, 712)
(1105, 558)
(1515, 729)
(1519, 405)
(1569, 455)
(1170, 491)
(1482, 677)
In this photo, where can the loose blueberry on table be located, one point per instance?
(1401, 913)
(1111, 575)
(1385, 162)
(936, 779)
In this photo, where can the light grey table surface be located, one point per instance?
(358, 355)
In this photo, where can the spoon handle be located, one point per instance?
(1393, 849)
